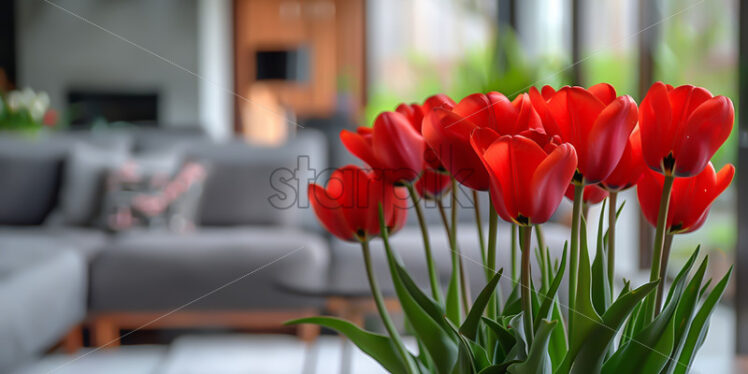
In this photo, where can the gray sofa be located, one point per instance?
(254, 234)
(56, 273)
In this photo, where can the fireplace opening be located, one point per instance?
(89, 107)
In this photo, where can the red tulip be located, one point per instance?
(594, 121)
(630, 168)
(592, 194)
(414, 112)
(448, 131)
(349, 206)
(433, 184)
(391, 146)
(527, 183)
(683, 127)
(690, 198)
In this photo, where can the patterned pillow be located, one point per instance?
(138, 198)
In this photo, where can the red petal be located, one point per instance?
(549, 181)
(540, 104)
(706, 129)
(603, 92)
(527, 117)
(438, 101)
(683, 101)
(444, 131)
(432, 184)
(512, 162)
(359, 197)
(486, 111)
(482, 140)
(655, 122)
(630, 167)
(607, 139)
(701, 193)
(399, 214)
(329, 212)
(413, 113)
(575, 111)
(649, 192)
(360, 146)
(398, 147)
(547, 92)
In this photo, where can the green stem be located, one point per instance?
(493, 230)
(495, 303)
(612, 211)
(545, 272)
(479, 227)
(464, 285)
(574, 247)
(454, 278)
(663, 270)
(659, 242)
(433, 277)
(514, 254)
(525, 233)
(379, 300)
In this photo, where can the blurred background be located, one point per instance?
(237, 81)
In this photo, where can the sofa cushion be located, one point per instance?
(212, 268)
(85, 241)
(44, 295)
(31, 169)
(260, 185)
(83, 182)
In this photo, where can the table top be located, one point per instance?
(333, 284)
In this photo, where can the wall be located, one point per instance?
(215, 35)
(57, 51)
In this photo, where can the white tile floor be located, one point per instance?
(274, 354)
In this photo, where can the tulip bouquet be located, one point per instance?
(588, 144)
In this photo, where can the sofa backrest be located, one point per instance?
(259, 185)
(30, 175)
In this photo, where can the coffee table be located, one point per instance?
(347, 295)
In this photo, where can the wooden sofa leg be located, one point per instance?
(308, 333)
(73, 341)
(104, 333)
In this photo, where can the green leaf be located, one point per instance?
(557, 347)
(506, 339)
(497, 369)
(480, 356)
(537, 360)
(518, 352)
(700, 325)
(465, 360)
(684, 313)
(601, 294)
(683, 274)
(628, 330)
(649, 350)
(469, 328)
(440, 344)
(425, 302)
(592, 354)
(647, 309)
(548, 298)
(513, 304)
(584, 318)
(453, 297)
(379, 347)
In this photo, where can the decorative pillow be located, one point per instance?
(136, 197)
(83, 181)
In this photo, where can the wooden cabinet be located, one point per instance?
(303, 51)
